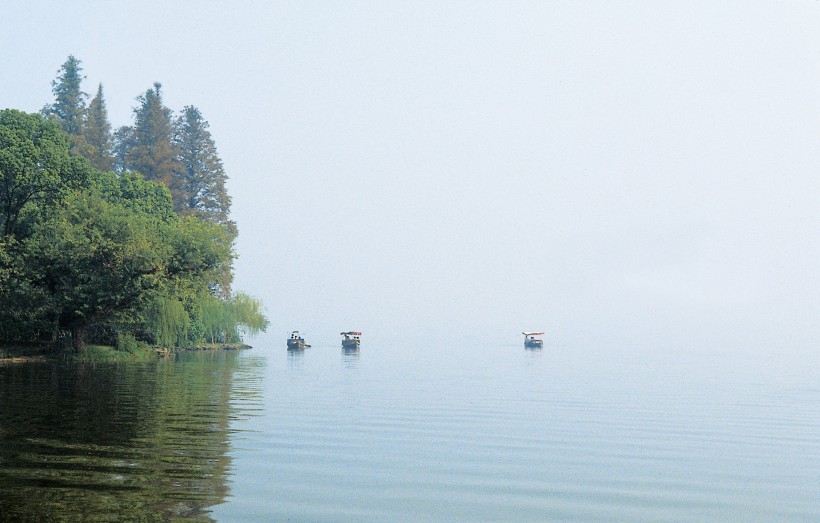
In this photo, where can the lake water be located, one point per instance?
(413, 432)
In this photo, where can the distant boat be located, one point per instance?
(296, 342)
(532, 340)
(351, 340)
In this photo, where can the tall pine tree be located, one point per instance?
(148, 146)
(97, 141)
(69, 105)
(201, 184)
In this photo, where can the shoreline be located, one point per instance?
(16, 354)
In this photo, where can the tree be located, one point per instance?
(97, 257)
(201, 184)
(96, 133)
(122, 138)
(23, 307)
(69, 104)
(224, 320)
(144, 251)
(201, 251)
(148, 147)
(35, 166)
(115, 252)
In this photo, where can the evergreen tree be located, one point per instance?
(95, 252)
(97, 134)
(201, 184)
(148, 146)
(122, 139)
(69, 104)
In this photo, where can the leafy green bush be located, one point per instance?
(126, 342)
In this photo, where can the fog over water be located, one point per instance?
(632, 174)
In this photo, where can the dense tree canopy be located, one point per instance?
(95, 258)
(35, 166)
(142, 252)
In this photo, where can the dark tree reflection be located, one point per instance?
(133, 442)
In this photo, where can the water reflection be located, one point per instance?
(136, 441)
(350, 357)
(296, 358)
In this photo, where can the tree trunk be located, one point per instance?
(55, 333)
(78, 337)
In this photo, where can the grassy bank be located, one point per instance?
(23, 352)
(105, 354)
(99, 353)
(91, 353)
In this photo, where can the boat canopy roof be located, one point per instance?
(532, 333)
(351, 333)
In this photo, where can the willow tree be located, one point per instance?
(247, 314)
(227, 320)
(168, 322)
(199, 252)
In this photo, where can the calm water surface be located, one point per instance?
(409, 432)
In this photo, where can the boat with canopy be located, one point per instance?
(532, 340)
(296, 341)
(351, 339)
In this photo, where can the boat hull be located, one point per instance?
(296, 344)
(350, 344)
(534, 344)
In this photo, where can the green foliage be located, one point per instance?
(200, 187)
(69, 104)
(35, 166)
(105, 354)
(131, 191)
(147, 147)
(96, 140)
(200, 248)
(96, 259)
(216, 323)
(247, 314)
(226, 321)
(146, 250)
(126, 342)
(117, 254)
(201, 184)
(168, 320)
(24, 308)
(7, 265)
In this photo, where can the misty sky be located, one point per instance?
(637, 173)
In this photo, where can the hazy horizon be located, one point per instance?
(639, 173)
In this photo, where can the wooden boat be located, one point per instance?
(532, 340)
(296, 342)
(351, 340)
